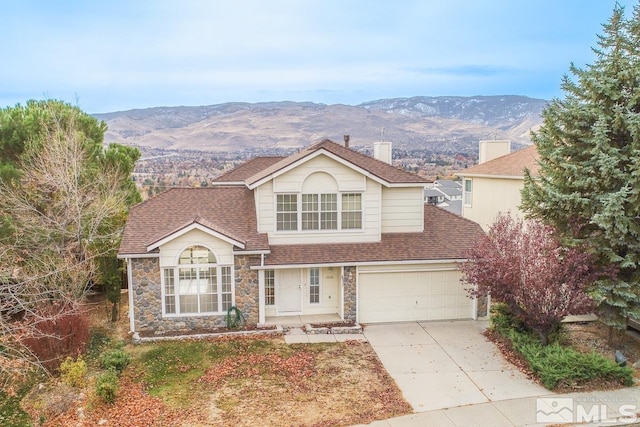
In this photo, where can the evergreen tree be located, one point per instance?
(588, 185)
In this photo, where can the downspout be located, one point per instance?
(261, 298)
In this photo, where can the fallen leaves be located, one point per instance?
(258, 383)
(295, 368)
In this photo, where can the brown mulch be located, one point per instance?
(594, 336)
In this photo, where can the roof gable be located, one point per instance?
(376, 169)
(225, 211)
(196, 224)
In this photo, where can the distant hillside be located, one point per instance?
(440, 124)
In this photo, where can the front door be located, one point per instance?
(289, 291)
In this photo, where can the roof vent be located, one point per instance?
(346, 140)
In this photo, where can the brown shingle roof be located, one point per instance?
(446, 236)
(247, 169)
(380, 169)
(510, 165)
(229, 210)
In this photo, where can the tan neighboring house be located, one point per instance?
(325, 231)
(494, 185)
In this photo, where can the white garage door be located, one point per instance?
(417, 295)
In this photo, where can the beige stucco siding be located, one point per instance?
(490, 196)
(402, 210)
(170, 251)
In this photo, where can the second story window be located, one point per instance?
(319, 211)
(287, 212)
(351, 211)
(324, 211)
(468, 186)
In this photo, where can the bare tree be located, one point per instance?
(64, 212)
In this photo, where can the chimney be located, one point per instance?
(493, 149)
(382, 151)
(346, 140)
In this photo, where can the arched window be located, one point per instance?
(198, 284)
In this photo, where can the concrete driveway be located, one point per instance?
(446, 364)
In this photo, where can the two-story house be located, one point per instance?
(326, 230)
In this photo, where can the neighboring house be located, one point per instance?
(494, 185)
(446, 194)
(450, 193)
(448, 183)
(324, 231)
(433, 196)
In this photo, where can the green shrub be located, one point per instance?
(116, 359)
(107, 386)
(74, 373)
(502, 321)
(556, 365)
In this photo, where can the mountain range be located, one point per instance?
(445, 124)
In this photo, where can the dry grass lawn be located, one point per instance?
(243, 382)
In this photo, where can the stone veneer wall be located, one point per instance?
(349, 286)
(247, 297)
(482, 308)
(148, 304)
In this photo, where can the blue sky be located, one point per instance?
(123, 54)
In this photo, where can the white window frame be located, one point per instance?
(313, 284)
(284, 213)
(468, 193)
(225, 286)
(343, 210)
(312, 215)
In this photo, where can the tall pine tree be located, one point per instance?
(588, 185)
